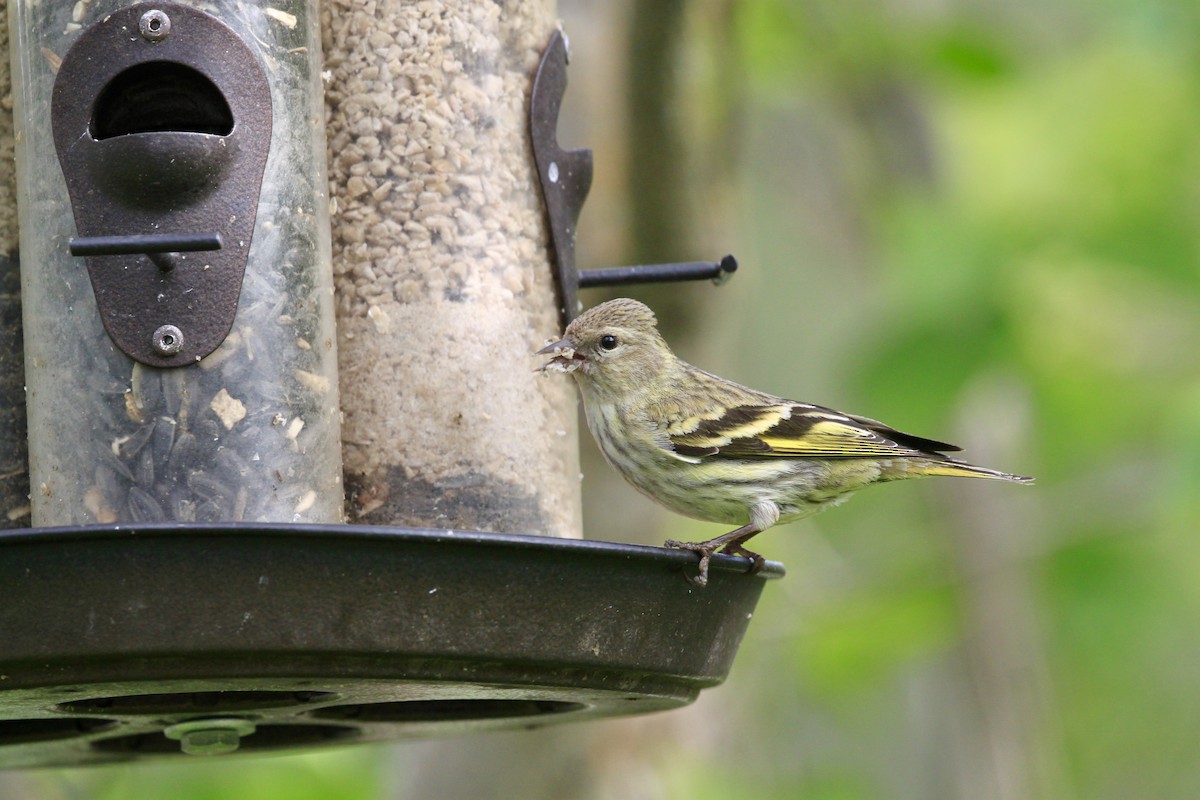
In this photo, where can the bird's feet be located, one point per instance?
(757, 562)
(702, 549)
(706, 549)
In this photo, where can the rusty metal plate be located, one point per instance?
(162, 122)
(565, 175)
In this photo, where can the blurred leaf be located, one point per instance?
(1092, 147)
(913, 377)
(1104, 342)
(772, 36)
(971, 53)
(341, 774)
(850, 646)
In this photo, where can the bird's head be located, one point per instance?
(615, 346)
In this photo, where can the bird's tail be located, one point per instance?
(961, 469)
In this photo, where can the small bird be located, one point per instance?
(713, 450)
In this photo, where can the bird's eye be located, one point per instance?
(608, 342)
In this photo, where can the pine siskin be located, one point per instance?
(716, 451)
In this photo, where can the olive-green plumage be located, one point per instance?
(717, 451)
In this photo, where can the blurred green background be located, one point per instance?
(977, 221)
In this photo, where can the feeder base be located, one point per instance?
(128, 642)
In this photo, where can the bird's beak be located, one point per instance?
(565, 358)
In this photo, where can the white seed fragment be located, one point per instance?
(282, 17)
(312, 381)
(306, 501)
(228, 409)
(379, 317)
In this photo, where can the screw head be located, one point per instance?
(167, 340)
(154, 25)
(210, 737)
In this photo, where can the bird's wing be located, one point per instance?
(794, 430)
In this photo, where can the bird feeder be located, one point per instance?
(199, 578)
(14, 454)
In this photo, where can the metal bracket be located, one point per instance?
(566, 177)
(162, 122)
(717, 271)
(162, 248)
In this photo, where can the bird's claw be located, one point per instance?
(757, 562)
(702, 549)
(706, 549)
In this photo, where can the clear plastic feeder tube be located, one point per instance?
(14, 456)
(250, 432)
(442, 268)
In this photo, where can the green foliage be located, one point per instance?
(849, 647)
(1053, 238)
(345, 774)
